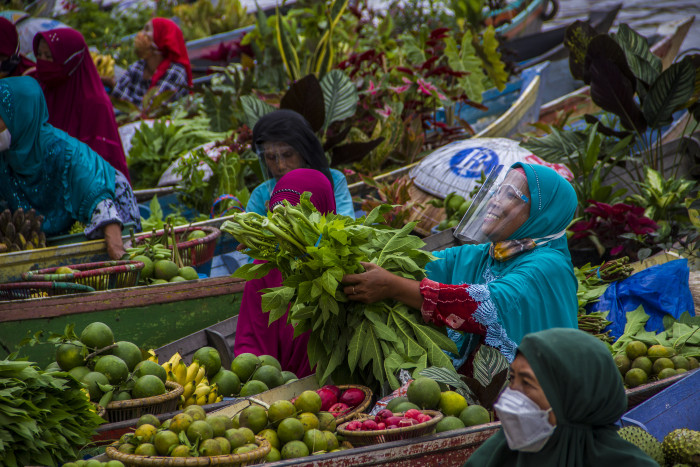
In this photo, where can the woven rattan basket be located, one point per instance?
(636, 396)
(256, 456)
(365, 438)
(193, 252)
(104, 275)
(26, 290)
(358, 409)
(118, 411)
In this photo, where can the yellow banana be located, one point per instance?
(219, 398)
(175, 359)
(192, 371)
(171, 377)
(167, 367)
(189, 390)
(211, 398)
(200, 375)
(152, 356)
(190, 401)
(202, 400)
(202, 391)
(181, 373)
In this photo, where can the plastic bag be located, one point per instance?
(661, 289)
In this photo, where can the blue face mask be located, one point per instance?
(5, 140)
(525, 425)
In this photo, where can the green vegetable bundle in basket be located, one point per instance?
(256, 456)
(130, 409)
(366, 438)
(26, 290)
(195, 245)
(103, 275)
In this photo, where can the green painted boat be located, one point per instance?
(149, 316)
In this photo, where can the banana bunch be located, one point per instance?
(154, 251)
(152, 356)
(192, 378)
(21, 230)
(104, 64)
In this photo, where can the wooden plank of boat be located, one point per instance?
(578, 103)
(520, 21)
(150, 316)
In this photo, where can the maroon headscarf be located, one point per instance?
(9, 45)
(253, 334)
(77, 101)
(169, 39)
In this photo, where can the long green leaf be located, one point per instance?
(356, 342)
(392, 363)
(340, 97)
(405, 333)
(669, 92)
(488, 362)
(276, 301)
(382, 331)
(254, 108)
(644, 64)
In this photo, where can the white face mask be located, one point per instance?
(5, 140)
(525, 425)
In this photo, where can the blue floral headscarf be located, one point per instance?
(45, 168)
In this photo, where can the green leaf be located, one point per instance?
(644, 64)
(276, 301)
(488, 362)
(405, 333)
(425, 336)
(254, 108)
(465, 60)
(447, 376)
(252, 271)
(340, 97)
(636, 320)
(357, 341)
(671, 91)
(392, 363)
(336, 359)
(380, 328)
(493, 65)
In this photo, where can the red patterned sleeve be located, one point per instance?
(450, 305)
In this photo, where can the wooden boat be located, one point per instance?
(578, 102)
(521, 17)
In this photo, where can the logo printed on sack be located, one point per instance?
(469, 163)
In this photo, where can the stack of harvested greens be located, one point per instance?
(313, 252)
(45, 418)
(593, 281)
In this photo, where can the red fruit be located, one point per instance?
(384, 414)
(393, 421)
(338, 409)
(328, 398)
(381, 426)
(353, 425)
(352, 397)
(368, 425)
(407, 422)
(413, 413)
(424, 418)
(336, 390)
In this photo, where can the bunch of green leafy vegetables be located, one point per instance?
(155, 148)
(45, 417)
(682, 335)
(349, 341)
(156, 220)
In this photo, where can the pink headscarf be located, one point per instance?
(77, 101)
(9, 45)
(252, 331)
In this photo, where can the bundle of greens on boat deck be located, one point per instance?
(313, 252)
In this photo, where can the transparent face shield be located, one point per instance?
(277, 159)
(500, 207)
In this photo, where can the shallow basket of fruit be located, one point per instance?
(103, 275)
(351, 402)
(26, 290)
(118, 411)
(196, 245)
(387, 426)
(256, 456)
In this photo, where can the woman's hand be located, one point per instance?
(376, 284)
(371, 286)
(113, 238)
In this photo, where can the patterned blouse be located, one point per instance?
(132, 86)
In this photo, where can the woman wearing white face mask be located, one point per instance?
(564, 396)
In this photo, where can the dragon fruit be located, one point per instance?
(352, 397)
(328, 398)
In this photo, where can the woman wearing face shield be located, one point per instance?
(12, 63)
(164, 63)
(517, 278)
(285, 141)
(562, 401)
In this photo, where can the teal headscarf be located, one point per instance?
(45, 168)
(533, 291)
(583, 386)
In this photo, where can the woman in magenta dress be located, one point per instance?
(12, 62)
(78, 103)
(253, 333)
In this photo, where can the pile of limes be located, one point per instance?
(639, 364)
(455, 207)
(293, 429)
(259, 373)
(109, 370)
(425, 393)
